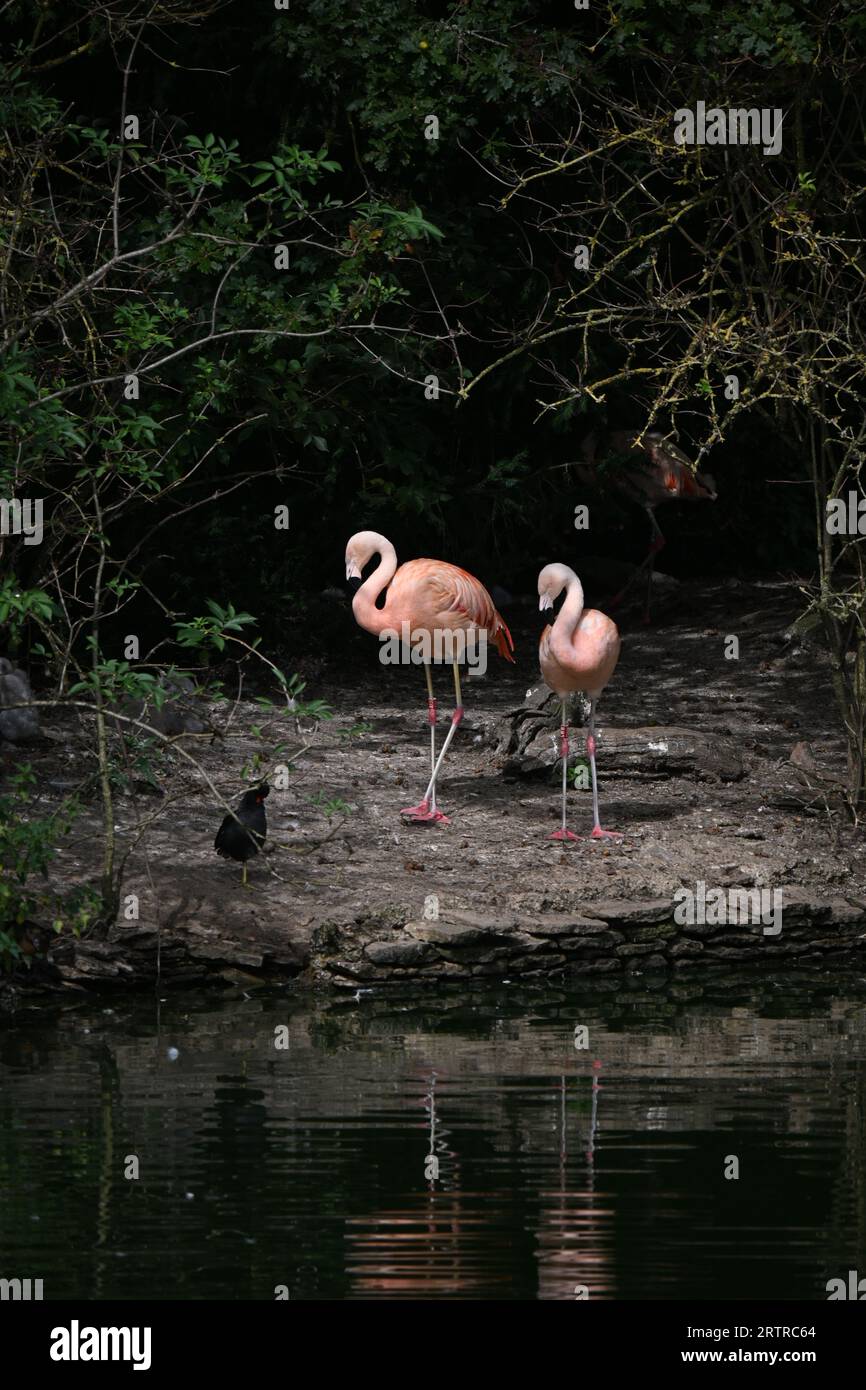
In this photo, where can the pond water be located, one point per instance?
(308, 1166)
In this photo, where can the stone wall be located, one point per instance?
(610, 938)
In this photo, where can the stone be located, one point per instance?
(636, 948)
(567, 925)
(634, 914)
(449, 933)
(598, 945)
(595, 967)
(397, 953)
(686, 948)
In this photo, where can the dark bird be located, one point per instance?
(242, 834)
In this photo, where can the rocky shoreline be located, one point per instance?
(713, 770)
(375, 951)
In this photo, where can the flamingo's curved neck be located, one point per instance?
(569, 615)
(369, 617)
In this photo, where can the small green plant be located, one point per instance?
(219, 627)
(348, 732)
(144, 760)
(334, 806)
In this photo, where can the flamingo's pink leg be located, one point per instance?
(597, 832)
(426, 810)
(430, 794)
(564, 833)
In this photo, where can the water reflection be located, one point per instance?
(462, 1147)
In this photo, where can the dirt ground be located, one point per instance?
(695, 766)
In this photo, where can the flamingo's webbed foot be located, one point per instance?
(422, 815)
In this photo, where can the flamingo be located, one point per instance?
(579, 652)
(432, 599)
(658, 471)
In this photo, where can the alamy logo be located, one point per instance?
(19, 518)
(76, 1343)
(846, 516)
(737, 126)
(20, 1290)
(723, 906)
(855, 1289)
(410, 647)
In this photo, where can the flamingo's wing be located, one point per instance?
(690, 484)
(470, 598)
(453, 590)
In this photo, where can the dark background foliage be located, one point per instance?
(340, 435)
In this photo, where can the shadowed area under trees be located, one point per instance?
(389, 266)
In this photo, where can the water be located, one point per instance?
(308, 1167)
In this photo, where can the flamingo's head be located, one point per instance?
(360, 551)
(551, 582)
(661, 449)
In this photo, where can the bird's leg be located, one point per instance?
(244, 883)
(597, 832)
(658, 541)
(426, 810)
(455, 721)
(431, 715)
(656, 545)
(563, 833)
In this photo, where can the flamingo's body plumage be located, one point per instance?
(657, 470)
(431, 596)
(579, 652)
(424, 598)
(583, 659)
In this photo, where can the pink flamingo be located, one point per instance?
(427, 599)
(658, 471)
(579, 652)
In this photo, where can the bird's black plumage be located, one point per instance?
(242, 842)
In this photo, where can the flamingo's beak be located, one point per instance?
(544, 601)
(352, 571)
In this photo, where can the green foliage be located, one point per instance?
(773, 32)
(410, 260)
(213, 628)
(18, 606)
(290, 166)
(115, 681)
(28, 847)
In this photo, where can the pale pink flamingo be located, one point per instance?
(579, 652)
(432, 599)
(657, 471)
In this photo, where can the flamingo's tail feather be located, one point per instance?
(504, 641)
